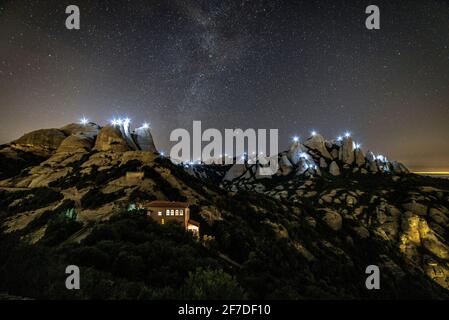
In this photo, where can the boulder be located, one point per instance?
(285, 165)
(439, 217)
(295, 152)
(318, 143)
(76, 143)
(416, 208)
(370, 156)
(334, 169)
(323, 163)
(327, 198)
(359, 157)
(346, 153)
(44, 138)
(361, 232)
(372, 167)
(302, 166)
(110, 138)
(351, 201)
(333, 220)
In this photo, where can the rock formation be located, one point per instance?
(144, 139)
(346, 152)
(334, 169)
(317, 143)
(76, 143)
(89, 129)
(110, 138)
(295, 152)
(43, 138)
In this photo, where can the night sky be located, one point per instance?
(295, 66)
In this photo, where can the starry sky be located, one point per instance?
(293, 65)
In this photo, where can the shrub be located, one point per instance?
(59, 230)
(211, 285)
(94, 198)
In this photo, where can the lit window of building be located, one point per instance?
(181, 212)
(176, 212)
(159, 213)
(172, 212)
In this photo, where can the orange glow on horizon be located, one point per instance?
(433, 172)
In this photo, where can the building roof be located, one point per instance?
(167, 204)
(193, 222)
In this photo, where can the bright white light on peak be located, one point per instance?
(347, 134)
(339, 138)
(126, 121)
(358, 145)
(313, 133)
(116, 122)
(84, 121)
(162, 153)
(145, 125)
(295, 139)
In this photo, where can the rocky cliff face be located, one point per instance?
(144, 139)
(111, 138)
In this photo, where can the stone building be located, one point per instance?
(165, 211)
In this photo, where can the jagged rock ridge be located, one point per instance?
(317, 156)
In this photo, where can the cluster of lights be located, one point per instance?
(126, 121)
(346, 135)
(116, 122)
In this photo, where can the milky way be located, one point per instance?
(296, 66)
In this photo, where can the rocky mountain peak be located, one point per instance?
(318, 156)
